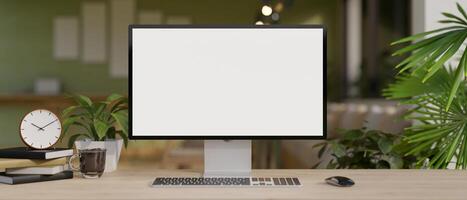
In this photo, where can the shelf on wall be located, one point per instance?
(41, 100)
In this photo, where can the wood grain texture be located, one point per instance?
(370, 184)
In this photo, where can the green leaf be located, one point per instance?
(122, 120)
(411, 86)
(452, 147)
(315, 165)
(67, 123)
(385, 145)
(98, 109)
(459, 77)
(319, 145)
(124, 137)
(420, 44)
(338, 149)
(395, 161)
(448, 54)
(114, 97)
(461, 10)
(101, 128)
(450, 22)
(322, 150)
(82, 100)
(69, 110)
(353, 135)
(427, 134)
(449, 15)
(117, 104)
(421, 35)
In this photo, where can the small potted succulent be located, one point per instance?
(101, 124)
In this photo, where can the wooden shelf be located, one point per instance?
(40, 100)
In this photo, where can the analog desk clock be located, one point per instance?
(40, 129)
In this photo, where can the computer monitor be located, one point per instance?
(227, 83)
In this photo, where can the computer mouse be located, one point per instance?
(340, 181)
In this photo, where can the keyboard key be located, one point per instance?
(276, 181)
(282, 181)
(296, 181)
(289, 181)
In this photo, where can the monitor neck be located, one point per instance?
(227, 158)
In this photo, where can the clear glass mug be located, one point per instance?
(91, 162)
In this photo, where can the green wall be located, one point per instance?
(26, 50)
(26, 44)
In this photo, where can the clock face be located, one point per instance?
(40, 129)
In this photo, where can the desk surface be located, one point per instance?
(370, 184)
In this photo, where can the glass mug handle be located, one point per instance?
(70, 163)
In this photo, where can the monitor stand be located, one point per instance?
(227, 158)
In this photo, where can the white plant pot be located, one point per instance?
(113, 148)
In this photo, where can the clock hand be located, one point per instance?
(37, 126)
(49, 124)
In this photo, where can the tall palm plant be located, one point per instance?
(437, 91)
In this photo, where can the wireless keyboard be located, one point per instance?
(227, 182)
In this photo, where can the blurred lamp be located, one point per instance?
(259, 22)
(275, 16)
(279, 7)
(266, 10)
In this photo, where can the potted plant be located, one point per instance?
(437, 92)
(101, 124)
(365, 149)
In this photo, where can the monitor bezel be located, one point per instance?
(130, 79)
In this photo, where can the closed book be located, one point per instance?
(13, 179)
(36, 170)
(28, 153)
(16, 163)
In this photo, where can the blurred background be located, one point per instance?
(52, 47)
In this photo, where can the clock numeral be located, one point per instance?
(25, 138)
(50, 144)
(56, 137)
(58, 128)
(25, 121)
(32, 114)
(40, 111)
(41, 146)
(50, 113)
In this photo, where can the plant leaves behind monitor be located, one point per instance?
(362, 149)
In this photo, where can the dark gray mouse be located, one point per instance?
(339, 181)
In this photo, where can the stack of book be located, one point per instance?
(24, 165)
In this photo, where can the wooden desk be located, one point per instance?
(370, 184)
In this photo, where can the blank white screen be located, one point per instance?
(227, 82)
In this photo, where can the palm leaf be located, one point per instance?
(461, 10)
(421, 35)
(429, 55)
(455, 18)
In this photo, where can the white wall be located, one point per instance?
(427, 13)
